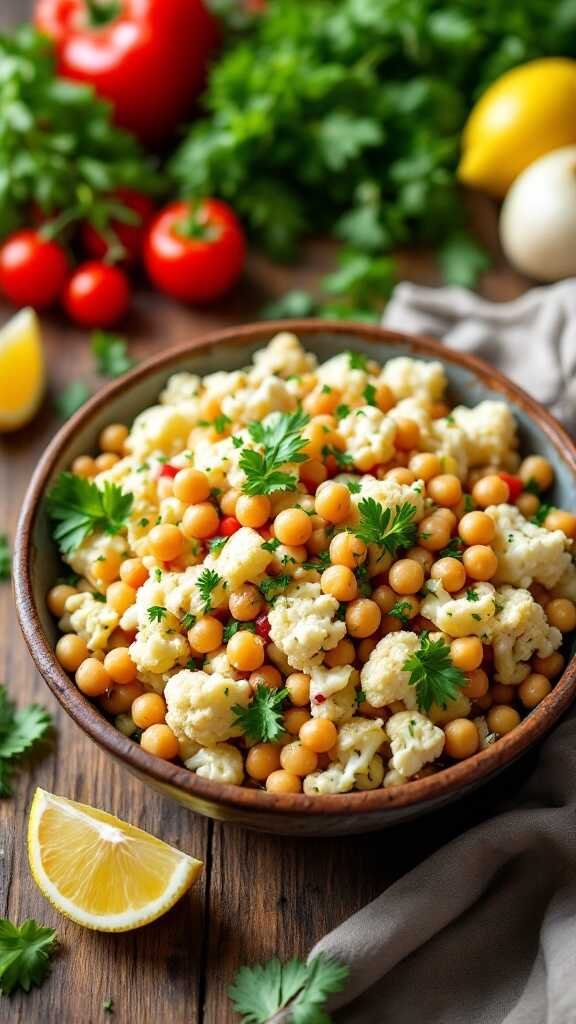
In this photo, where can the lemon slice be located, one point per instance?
(100, 871)
(21, 370)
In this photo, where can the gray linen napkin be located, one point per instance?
(484, 930)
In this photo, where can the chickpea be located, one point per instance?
(406, 576)
(106, 568)
(490, 490)
(332, 502)
(425, 465)
(228, 501)
(561, 613)
(298, 759)
(92, 678)
(407, 435)
(540, 594)
(502, 719)
(344, 653)
(365, 648)
(384, 597)
(480, 562)
(313, 473)
(253, 510)
(166, 542)
(120, 596)
(450, 572)
(119, 700)
(148, 709)
(340, 582)
(283, 782)
(246, 603)
(298, 686)
(319, 541)
(294, 719)
(262, 760)
(425, 558)
(57, 597)
(551, 666)
(105, 461)
(71, 651)
(119, 638)
(292, 527)
(245, 651)
(206, 634)
(316, 434)
(434, 533)
(85, 466)
(133, 572)
(484, 702)
(160, 740)
(390, 624)
(319, 735)
(538, 469)
(476, 528)
(200, 521)
(113, 438)
(528, 504)
(322, 400)
(401, 475)
(119, 666)
(467, 653)
(477, 685)
(445, 490)
(266, 675)
(347, 549)
(462, 739)
(191, 486)
(503, 694)
(533, 690)
(363, 617)
(559, 520)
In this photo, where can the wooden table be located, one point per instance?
(259, 896)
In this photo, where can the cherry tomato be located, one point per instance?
(130, 237)
(96, 295)
(195, 252)
(33, 271)
(229, 525)
(514, 483)
(168, 470)
(263, 626)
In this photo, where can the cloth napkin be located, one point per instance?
(484, 930)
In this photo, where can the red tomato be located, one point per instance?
(514, 483)
(96, 295)
(263, 626)
(129, 236)
(33, 271)
(229, 525)
(168, 470)
(148, 57)
(195, 252)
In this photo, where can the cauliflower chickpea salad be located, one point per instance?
(313, 577)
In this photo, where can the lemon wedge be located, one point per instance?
(527, 112)
(21, 370)
(100, 871)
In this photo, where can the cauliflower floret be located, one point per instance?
(158, 645)
(221, 763)
(94, 547)
(332, 693)
(389, 493)
(302, 624)
(217, 661)
(467, 614)
(526, 552)
(374, 777)
(520, 629)
(350, 382)
(369, 436)
(91, 619)
(414, 742)
(487, 738)
(181, 593)
(242, 559)
(283, 356)
(441, 436)
(383, 679)
(249, 404)
(181, 388)
(406, 377)
(200, 706)
(161, 428)
(216, 460)
(357, 764)
(221, 384)
(490, 434)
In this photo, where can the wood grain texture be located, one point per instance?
(259, 895)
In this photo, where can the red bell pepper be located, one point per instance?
(148, 57)
(514, 483)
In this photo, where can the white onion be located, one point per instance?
(538, 218)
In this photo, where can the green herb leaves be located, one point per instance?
(389, 529)
(79, 507)
(111, 354)
(259, 992)
(262, 719)
(71, 398)
(156, 613)
(433, 674)
(25, 953)
(272, 586)
(282, 442)
(206, 583)
(20, 729)
(5, 559)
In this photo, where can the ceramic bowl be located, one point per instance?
(36, 566)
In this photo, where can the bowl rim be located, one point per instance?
(168, 775)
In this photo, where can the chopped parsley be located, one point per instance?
(262, 719)
(282, 441)
(111, 354)
(357, 361)
(270, 545)
(433, 674)
(156, 612)
(343, 459)
(206, 583)
(353, 486)
(341, 411)
(234, 626)
(401, 611)
(389, 529)
(237, 441)
(369, 394)
(272, 586)
(187, 621)
(221, 422)
(216, 544)
(5, 560)
(79, 507)
(468, 503)
(471, 595)
(453, 549)
(539, 516)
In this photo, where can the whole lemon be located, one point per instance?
(524, 114)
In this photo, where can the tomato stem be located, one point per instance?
(101, 12)
(195, 225)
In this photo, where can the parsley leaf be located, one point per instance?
(259, 992)
(369, 394)
(71, 399)
(20, 729)
(262, 719)
(25, 952)
(433, 673)
(187, 621)
(79, 508)
(272, 586)
(539, 516)
(453, 549)
(471, 595)
(156, 612)
(111, 354)
(233, 626)
(216, 544)
(387, 529)
(5, 559)
(462, 259)
(356, 361)
(341, 412)
(270, 545)
(280, 436)
(206, 583)
(353, 486)
(400, 610)
(343, 459)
